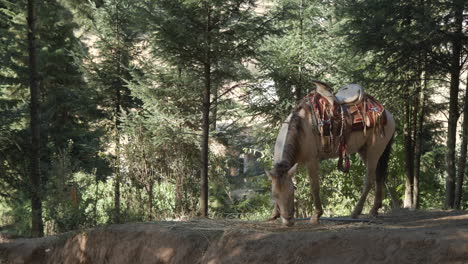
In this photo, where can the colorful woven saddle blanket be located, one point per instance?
(335, 121)
(332, 119)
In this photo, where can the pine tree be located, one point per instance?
(110, 69)
(409, 39)
(66, 103)
(457, 41)
(462, 159)
(209, 39)
(304, 48)
(35, 173)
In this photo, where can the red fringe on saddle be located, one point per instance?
(367, 114)
(336, 122)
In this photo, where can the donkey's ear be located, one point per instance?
(292, 170)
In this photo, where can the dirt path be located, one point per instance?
(400, 237)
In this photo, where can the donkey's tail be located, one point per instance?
(382, 165)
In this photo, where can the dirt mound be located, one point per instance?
(400, 237)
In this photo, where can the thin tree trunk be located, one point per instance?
(463, 150)
(35, 172)
(118, 179)
(139, 199)
(206, 118)
(117, 198)
(409, 157)
(418, 143)
(179, 202)
(301, 52)
(453, 105)
(179, 195)
(414, 130)
(396, 202)
(150, 200)
(121, 60)
(96, 193)
(214, 105)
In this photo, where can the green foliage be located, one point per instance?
(162, 135)
(65, 204)
(115, 44)
(13, 215)
(121, 90)
(432, 173)
(68, 105)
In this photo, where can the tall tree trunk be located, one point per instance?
(122, 66)
(453, 104)
(214, 105)
(409, 154)
(414, 129)
(117, 211)
(35, 171)
(463, 150)
(179, 202)
(150, 200)
(206, 117)
(418, 141)
(396, 202)
(96, 194)
(299, 85)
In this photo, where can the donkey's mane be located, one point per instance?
(291, 146)
(282, 168)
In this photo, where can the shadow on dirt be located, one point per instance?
(399, 237)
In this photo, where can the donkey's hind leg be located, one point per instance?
(378, 196)
(313, 168)
(371, 165)
(381, 173)
(379, 181)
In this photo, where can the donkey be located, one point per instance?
(300, 142)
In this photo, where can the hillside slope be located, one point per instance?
(400, 237)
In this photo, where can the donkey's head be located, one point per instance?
(282, 188)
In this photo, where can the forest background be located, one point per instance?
(115, 111)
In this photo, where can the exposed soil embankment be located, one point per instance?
(400, 237)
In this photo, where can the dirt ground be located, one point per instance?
(400, 237)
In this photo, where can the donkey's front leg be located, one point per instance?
(368, 183)
(313, 168)
(275, 214)
(358, 208)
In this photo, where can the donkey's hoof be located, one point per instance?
(271, 219)
(315, 220)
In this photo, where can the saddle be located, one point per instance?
(350, 94)
(336, 116)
